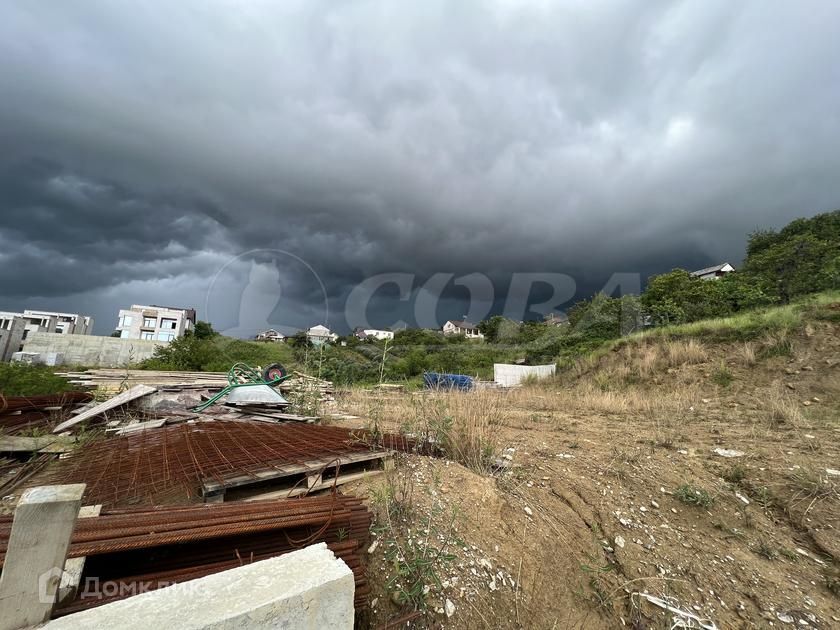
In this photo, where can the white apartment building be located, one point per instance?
(158, 323)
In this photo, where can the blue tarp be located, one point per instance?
(434, 380)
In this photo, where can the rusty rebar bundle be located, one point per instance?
(147, 548)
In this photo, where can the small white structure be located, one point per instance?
(38, 358)
(508, 375)
(308, 589)
(373, 333)
(461, 327)
(271, 335)
(155, 323)
(713, 273)
(320, 334)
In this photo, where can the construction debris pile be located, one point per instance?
(187, 474)
(114, 380)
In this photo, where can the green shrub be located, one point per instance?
(18, 379)
(691, 495)
(722, 376)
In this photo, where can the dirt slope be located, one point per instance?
(614, 490)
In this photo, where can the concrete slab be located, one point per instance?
(309, 589)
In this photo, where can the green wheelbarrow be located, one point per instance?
(247, 386)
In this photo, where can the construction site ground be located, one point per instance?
(612, 500)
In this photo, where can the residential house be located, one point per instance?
(271, 335)
(320, 334)
(373, 333)
(50, 322)
(556, 319)
(65, 323)
(461, 327)
(713, 273)
(158, 323)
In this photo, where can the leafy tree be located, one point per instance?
(188, 353)
(419, 337)
(803, 257)
(204, 330)
(604, 317)
(490, 328)
(676, 297)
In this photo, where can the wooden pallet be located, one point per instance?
(296, 479)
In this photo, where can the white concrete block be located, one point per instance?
(309, 589)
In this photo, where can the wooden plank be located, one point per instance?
(137, 427)
(41, 530)
(250, 411)
(323, 485)
(40, 444)
(213, 487)
(135, 392)
(73, 568)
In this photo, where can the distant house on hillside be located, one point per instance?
(320, 334)
(713, 273)
(373, 333)
(460, 327)
(271, 335)
(556, 319)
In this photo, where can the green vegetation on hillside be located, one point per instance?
(780, 267)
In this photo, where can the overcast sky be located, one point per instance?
(148, 147)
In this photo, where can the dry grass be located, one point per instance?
(679, 352)
(593, 398)
(463, 424)
(778, 343)
(747, 354)
(783, 410)
(647, 361)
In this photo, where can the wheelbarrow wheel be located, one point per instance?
(274, 372)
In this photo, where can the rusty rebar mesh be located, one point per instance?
(20, 414)
(131, 550)
(171, 464)
(36, 403)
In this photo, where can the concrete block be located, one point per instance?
(309, 589)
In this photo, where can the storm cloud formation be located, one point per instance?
(147, 145)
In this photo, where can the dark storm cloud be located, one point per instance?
(146, 144)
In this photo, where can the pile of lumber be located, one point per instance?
(113, 379)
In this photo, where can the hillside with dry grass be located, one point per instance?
(686, 473)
